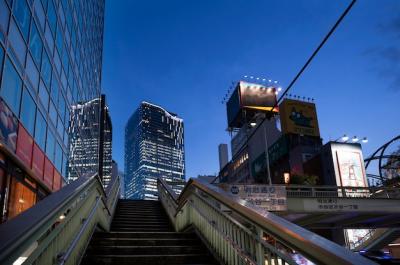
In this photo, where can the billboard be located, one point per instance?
(351, 169)
(248, 99)
(299, 117)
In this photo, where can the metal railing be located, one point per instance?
(57, 229)
(241, 233)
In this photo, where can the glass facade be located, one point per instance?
(154, 148)
(50, 60)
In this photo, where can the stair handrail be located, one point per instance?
(307, 243)
(59, 215)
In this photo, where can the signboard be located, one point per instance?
(248, 99)
(299, 117)
(271, 198)
(351, 171)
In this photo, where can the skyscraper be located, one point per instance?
(154, 147)
(50, 59)
(90, 133)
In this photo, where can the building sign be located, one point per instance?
(271, 198)
(8, 127)
(350, 166)
(299, 117)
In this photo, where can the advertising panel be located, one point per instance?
(350, 168)
(249, 99)
(24, 146)
(299, 117)
(8, 127)
(257, 97)
(271, 198)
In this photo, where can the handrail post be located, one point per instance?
(260, 256)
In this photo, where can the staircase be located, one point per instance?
(142, 234)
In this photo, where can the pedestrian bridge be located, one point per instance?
(58, 229)
(325, 207)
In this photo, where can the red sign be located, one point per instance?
(48, 173)
(38, 162)
(57, 181)
(24, 146)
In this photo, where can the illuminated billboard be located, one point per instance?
(351, 168)
(299, 117)
(248, 99)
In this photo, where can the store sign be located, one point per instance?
(299, 117)
(8, 127)
(351, 168)
(271, 198)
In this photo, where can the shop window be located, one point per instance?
(28, 112)
(11, 87)
(36, 44)
(48, 173)
(23, 16)
(21, 198)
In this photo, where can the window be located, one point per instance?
(54, 90)
(46, 69)
(17, 42)
(44, 96)
(1, 58)
(33, 73)
(58, 158)
(51, 15)
(28, 111)
(11, 87)
(35, 44)
(53, 113)
(51, 141)
(4, 16)
(23, 16)
(40, 13)
(40, 131)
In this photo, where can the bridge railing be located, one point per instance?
(57, 229)
(241, 233)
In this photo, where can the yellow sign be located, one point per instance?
(298, 117)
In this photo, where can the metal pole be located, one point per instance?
(266, 153)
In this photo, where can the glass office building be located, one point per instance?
(50, 59)
(90, 134)
(154, 147)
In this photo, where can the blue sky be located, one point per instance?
(183, 55)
